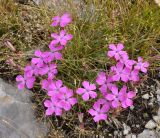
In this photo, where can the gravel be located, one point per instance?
(151, 125)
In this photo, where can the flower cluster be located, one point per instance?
(110, 88)
(43, 64)
(112, 97)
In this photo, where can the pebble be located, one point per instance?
(145, 96)
(156, 119)
(158, 92)
(150, 125)
(131, 136)
(134, 136)
(126, 130)
(148, 134)
(128, 136)
(132, 107)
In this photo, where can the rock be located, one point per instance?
(158, 2)
(131, 136)
(38, 1)
(17, 115)
(150, 125)
(128, 136)
(134, 136)
(126, 130)
(148, 134)
(156, 119)
(132, 107)
(158, 91)
(145, 96)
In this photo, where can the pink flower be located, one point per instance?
(43, 69)
(50, 69)
(66, 100)
(127, 62)
(64, 20)
(41, 58)
(22, 81)
(101, 78)
(63, 38)
(99, 111)
(105, 82)
(126, 98)
(133, 75)
(120, 72)
(142, 66)
(55, 54)
(46, 84)
(52, 107)
(55, 88)
(87, 91)
(114, 97)
(117, 52)
(31, 70)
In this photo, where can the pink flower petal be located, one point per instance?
(80, 90)
(72, 101)
(59, 83)
(38, 53)
(65, 20)
(93, 94)
(116, 77)
(112, 46)
(55, 36)
(56, 20)
(68, 37)
(115, 103)
(86, 84)
(47, 103)
(49, 111)
(92, 112)
(58, 111)
(30, 82)
(129, 102)
(92, 87)
(85, 96)
(120, 46)
(110, 97)
(105, 108)
(63, 42)
(111, 53)
(21, 86)
(114, 90)
(67, 106)
(101, 79)
(19, 78)
(131, 94)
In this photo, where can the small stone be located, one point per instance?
(150, 125)
(128, 136)
(145, 96)
(126, 130)
(156, 119)
(132, 107)
(158, 92)
(115, 133)
(148, 134)
(134, 136)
